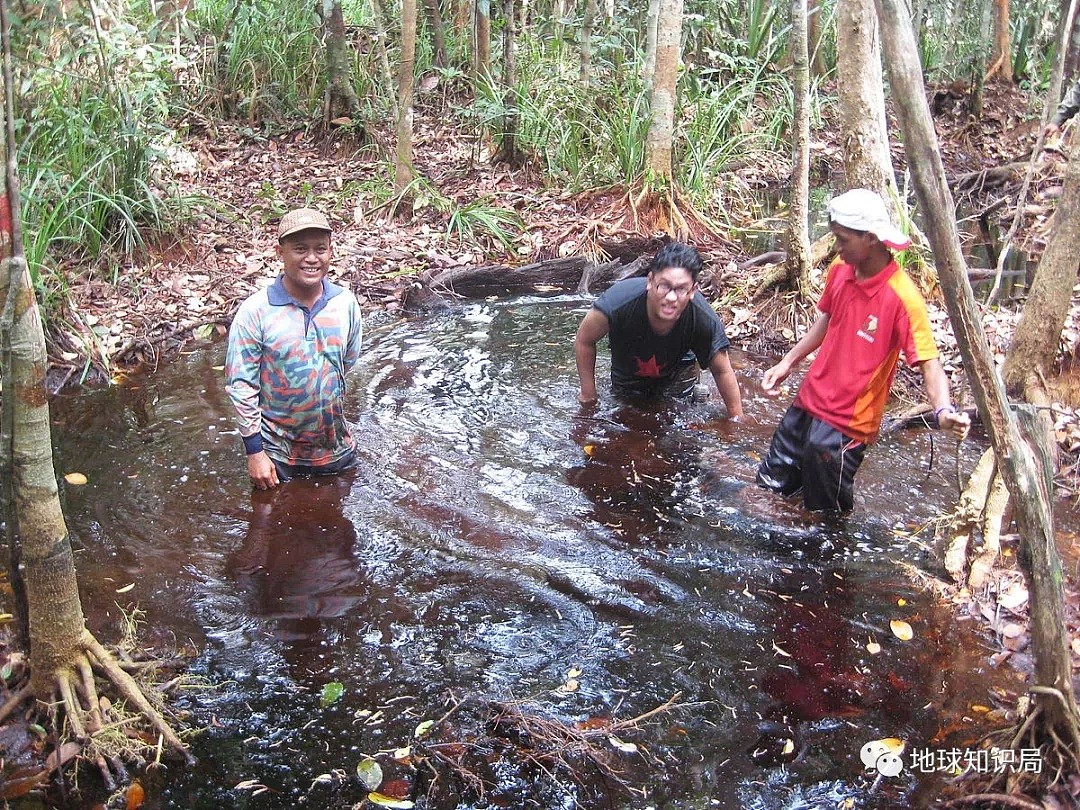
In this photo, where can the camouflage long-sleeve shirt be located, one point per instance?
(285, 371)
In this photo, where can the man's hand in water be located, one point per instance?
(772, 378)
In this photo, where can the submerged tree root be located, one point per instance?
(96, 725)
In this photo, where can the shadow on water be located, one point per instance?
(495, 537)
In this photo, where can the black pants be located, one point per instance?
(286, 472)
(809, 455)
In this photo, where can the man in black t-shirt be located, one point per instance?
(660, 329)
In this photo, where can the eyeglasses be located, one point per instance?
(663, 289)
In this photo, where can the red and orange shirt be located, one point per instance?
(870, 323)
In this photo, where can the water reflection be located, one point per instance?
(296, 566)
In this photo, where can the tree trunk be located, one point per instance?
(403, 158)
(384, 57)
(658, 143)
(481, 39)
(1035, 340)
(62, 651)
(798, 262)
(1001, 59)
(814, 28)
(341, 100)
(463, 13)
(1021, 462)
(860, 88)
(508, 150)
(438, 36)
(651, 23)
(587, 24)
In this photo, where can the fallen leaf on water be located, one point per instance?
(1012, 630)
(589, 449)
(901, 601)
(370, 773)
(423, 729)
(902, 630)
(573, 672)
(625, 747)
(331, 693)
(571, 685)
(126, 588)
(402, 754)
(388, 801)
(873, 647)
(979, 709)
(1013, 597)
(218, 368)
(135, 796)
(76, 479)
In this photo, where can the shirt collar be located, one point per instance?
(277, 295)
(871, 285)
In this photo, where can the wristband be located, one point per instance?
(253, 444)
(943, 409)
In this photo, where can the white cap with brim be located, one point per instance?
(863, 210)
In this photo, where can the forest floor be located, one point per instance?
(143, 310)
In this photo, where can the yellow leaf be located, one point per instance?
(388, 801)
(902, 630)
(789, 746)
(218, 368)
(979, 709)
(126, 588)
(873, 648)
(901, 601)
(573, 672)
(589, 449)
(76, 479)
(894, 745)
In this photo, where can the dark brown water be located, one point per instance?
(492, 540)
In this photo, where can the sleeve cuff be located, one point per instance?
(253, 444)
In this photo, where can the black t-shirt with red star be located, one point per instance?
(644, 363)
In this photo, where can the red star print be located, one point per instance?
(647, 368)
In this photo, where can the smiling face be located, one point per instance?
(669, 292)
(306, 256)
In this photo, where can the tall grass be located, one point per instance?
(89, 109)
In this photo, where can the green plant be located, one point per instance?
(479, 218)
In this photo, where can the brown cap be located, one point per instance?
(301, 219)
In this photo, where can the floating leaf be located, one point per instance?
(589, 449)
(370, 773)
(901, 601)
(203, 331)
(76, 479)
(331, 694)
(388, 801)
(571, 685)
(619, 745)
(894, 745)
(401, 754)
(1012, 630)
(789, 746)
(134, 796)
(979, 709)
(423, 729)
(126, 588)
(574, 672)
(873, 647)
(902, 630)
(218, 368)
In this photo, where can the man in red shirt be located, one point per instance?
(870, 311)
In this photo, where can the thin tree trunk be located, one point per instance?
(814, 28)
(1035, 339)
(1001, 60)
(508, 151)
(1020, 459)
(651, 23)
(799, 211)
(384, 58)
(403, 160)
(341, 99)
(481, 39)
(860, 88)
(463, 13)
(586, 39)
(438, 36)
(658, 143)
